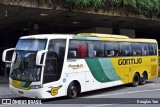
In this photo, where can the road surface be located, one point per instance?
(119, 96)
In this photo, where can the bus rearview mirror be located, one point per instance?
(5, 54)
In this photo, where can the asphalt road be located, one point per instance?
(119, 96)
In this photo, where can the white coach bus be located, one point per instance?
(54, 65)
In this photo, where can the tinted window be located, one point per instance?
(91, 49)
(145, 49)
(98, 48)
(77, 49)
(153, 49)
(111, 49)
(31, 44)
(57, 46)
(125, 49)
(137, 49)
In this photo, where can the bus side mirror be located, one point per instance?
(5, 52)
(39, 57)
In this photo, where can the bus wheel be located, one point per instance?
(143, 79)
(136, 79)
(72, 91)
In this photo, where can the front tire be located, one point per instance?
(72, 91)
(135, 81)
(143, 79)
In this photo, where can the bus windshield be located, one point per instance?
(24, 67)
(31, 44)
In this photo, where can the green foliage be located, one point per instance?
(79, 2)
(131, 3)
(145, 7)
(94, 3)
(115, 2)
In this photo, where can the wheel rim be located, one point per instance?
(143, 78)
(136, 80)
(73, 91)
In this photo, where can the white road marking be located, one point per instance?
(131, 92)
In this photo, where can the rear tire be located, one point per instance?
(136, 80)
(143, 79)
(72, 91)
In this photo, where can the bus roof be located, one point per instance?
(46, 36)
(111, 37)
(89, 36)
(102, 35)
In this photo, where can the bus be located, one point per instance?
(53, 65)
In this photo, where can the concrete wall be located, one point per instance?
(27, 3)
(104, 30)
(128, 32)
(89, 30)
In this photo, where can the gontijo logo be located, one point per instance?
(129, 61)
(74, 67)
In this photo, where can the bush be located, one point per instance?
(145, 7)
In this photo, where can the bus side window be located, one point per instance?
(137, 49)
(125, 48)
(153, 49)
(138, 52)
(72, 54)
(134, 52)
(99, 53)
(111, 49)
(105, 53)
(77, 49)
(111, 53)
(124, 52)
(81, 51)
(145, 49)
(91, 52)
(98, 48)
(57, 46)
(95, 53)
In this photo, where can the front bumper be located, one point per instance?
(32, 93)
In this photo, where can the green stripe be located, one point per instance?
(102, 69)
(97, 70)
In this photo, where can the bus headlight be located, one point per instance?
(35, 86)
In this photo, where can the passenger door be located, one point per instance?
(54, 61)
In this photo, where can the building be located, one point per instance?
(134, 18)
